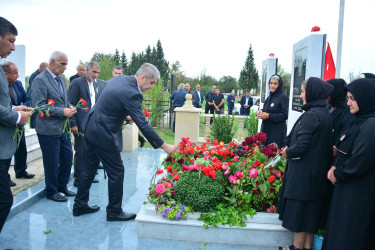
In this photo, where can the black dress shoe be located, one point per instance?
(143, 143)
(124, 216)
(25, 175)
(85, 210)
(95, 181)
(67, 192)
(57, 197)
(12, 183)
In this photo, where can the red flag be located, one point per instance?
(329, 68)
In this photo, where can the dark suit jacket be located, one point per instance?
(21, 97)
(243, 102)
(121, 97)
(79, 89)
(8, 119)
(45, 88)
(198, 100)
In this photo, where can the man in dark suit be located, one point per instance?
(18, 97)
(8, 119)
(120, 100)
(246, 103)
(80, 72)
(198, 97)
(54, 138)
(87, 87)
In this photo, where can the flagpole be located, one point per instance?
(339, 38)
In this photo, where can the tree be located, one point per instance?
(106, 63)
(160, 62)
(227, 84)
(124, 62)
(249, 74)
(286, 79)
(116, 57)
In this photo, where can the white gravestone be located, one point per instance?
(308, 60)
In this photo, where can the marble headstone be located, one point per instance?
(308, 60)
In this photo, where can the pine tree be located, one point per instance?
(249, 74)
(124, 62)
(116, 57)
(160, 61)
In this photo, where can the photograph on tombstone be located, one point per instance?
(299, 76)
(264, 80)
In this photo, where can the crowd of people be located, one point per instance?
(329, 177)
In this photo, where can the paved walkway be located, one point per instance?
(38, 223)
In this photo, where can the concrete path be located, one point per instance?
(38, 223)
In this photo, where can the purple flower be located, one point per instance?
(164, 215)
(173, 203)
(162, 199)
(167, 210)
(157, 208)
(182, 208)
(178, 215)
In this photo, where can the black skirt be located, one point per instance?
(300, 216)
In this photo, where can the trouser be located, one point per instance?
(230, 109)
(6, 197)
(20, 158)
(57, 160)
(114, 168)
(79, 147)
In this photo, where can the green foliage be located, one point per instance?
(286, 79)
(222, 128)
(249, 74)
(251, 123)
(124, 63)
(320, 232)
(227, 84)
(116, 57)
(155, 108)
(222, 215)
(200, 191)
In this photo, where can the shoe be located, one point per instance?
(25, 175)
(95, 181)
(85, 210)
(12, 183)
(67, 192)
(121, 217)
(142, 142)
(76, 183)
(57, 197)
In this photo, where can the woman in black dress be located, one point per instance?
(351, 221)
(275, 112)
(308, 150)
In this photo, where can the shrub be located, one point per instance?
(222, 128)
(252, 123)
(199, 191)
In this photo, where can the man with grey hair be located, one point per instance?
(120, 100)
(178, 98)
(87, 87)
(54, 137)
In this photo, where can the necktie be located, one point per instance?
(11, 92)
(59, 83)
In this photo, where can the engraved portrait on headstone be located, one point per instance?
(299, 72)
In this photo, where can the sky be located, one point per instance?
(203, 35)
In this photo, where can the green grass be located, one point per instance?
(166, 134)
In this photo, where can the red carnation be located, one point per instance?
(160, 171)
(315, 29)
(261, 136)
(51, 102)
(41, 114)
(271, 55)
(176, 178)
(86, 109)
(83, 101)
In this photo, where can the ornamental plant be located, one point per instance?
(221, 128)
(248, 176)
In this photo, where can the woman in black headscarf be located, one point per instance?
(351, 222)
(308, 151)
(275, 112)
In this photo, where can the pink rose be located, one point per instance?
(253, 173)
(232, 179)
(159, 189)
(278, 174)
(272, 209)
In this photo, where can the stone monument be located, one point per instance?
(308, 60)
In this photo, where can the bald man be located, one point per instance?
(80, 71)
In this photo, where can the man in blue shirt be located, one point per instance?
(18, 97)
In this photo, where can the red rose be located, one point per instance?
(169, 169)
(176, 178)
(271, 178)
(160, 171)
(51, 102)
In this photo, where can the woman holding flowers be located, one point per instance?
(275, 112)
(351, 221)
(308, 152)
